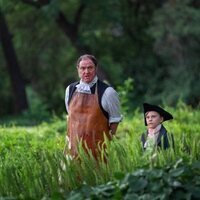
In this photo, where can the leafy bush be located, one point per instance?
(178, 181)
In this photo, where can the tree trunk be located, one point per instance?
(70, 29)
(20, 100)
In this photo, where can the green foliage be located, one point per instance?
(51, 10)
(37, 108)
(169, 182)
(43, 51)
(32, 165)
(153, 42)
(125, 91)
(175, 31)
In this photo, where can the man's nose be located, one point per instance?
(87, 70)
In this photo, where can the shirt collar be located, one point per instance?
(90, 83)
(83, 87)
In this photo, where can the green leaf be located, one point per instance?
(131, 197)
(138, 185)
(75, 196)
(176, 172)
(176, 184)
(140, 172)
(155, 186)
(155, 174)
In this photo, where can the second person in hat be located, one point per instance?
(156, 135)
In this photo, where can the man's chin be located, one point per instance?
(87, 80)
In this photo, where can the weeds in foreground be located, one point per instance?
(32, 164)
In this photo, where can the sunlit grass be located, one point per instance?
(32, 163)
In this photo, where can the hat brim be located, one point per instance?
(148, 107)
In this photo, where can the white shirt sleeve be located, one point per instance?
(111, 104)
(66, 97)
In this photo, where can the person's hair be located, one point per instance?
(85, 56)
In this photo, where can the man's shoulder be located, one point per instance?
(73, 84)
(102, 83)
(72, 88)
(102, 86)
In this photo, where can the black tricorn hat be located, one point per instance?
(148, 107)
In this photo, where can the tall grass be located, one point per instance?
(32, 164)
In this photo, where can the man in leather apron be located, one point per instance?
(89, 120)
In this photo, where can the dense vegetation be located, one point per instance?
(156, 43)
(32, 165)
(148, 50)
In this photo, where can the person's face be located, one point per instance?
(86, 70)
(153, 119)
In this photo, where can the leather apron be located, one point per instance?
(86, 123)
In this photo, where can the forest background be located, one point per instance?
(151, 47)
(147, 49)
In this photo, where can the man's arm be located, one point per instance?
(66, 98)
(111, 104)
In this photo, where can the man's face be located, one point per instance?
(153, 119)
(86, 70)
